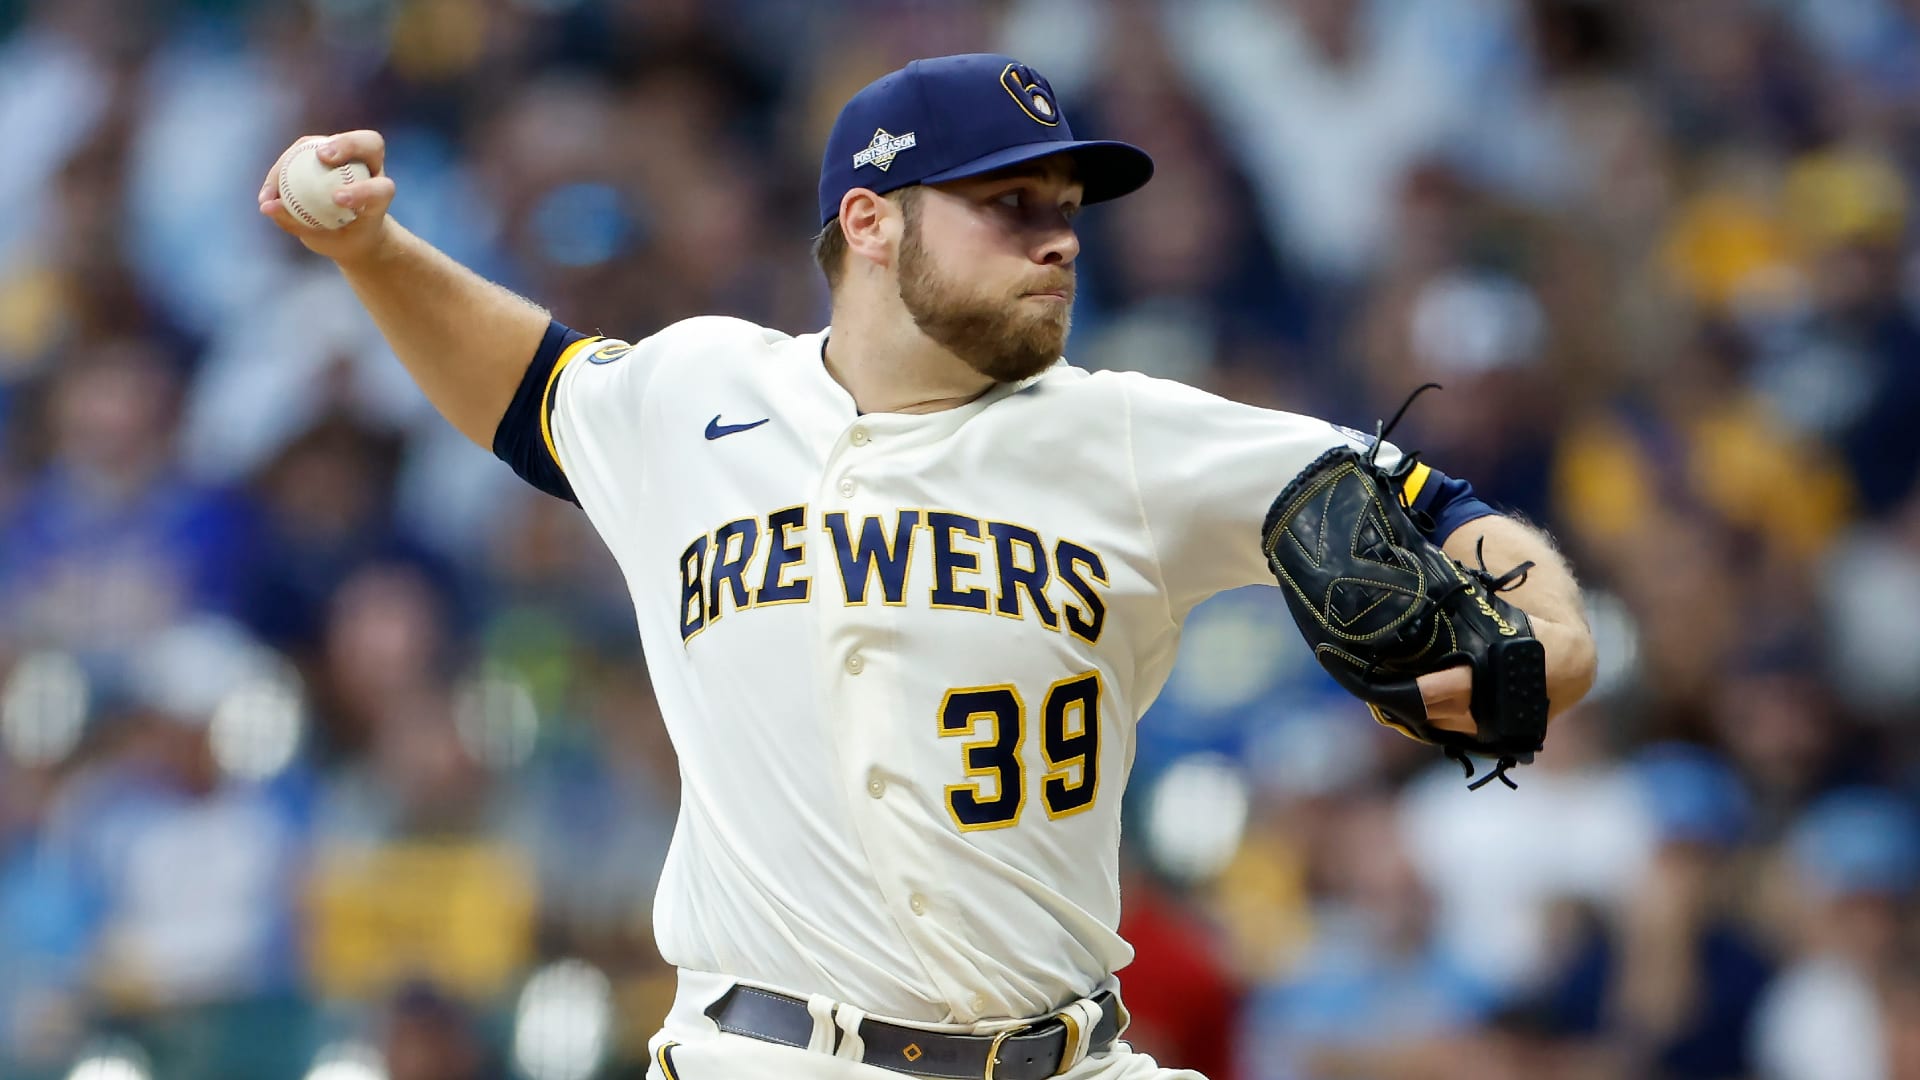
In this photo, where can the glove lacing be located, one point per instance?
(1512, 579)
(1396, 481)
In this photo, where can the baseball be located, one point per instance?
(307, 186)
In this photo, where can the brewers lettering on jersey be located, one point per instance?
(904, 584)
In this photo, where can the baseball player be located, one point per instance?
(906, 584)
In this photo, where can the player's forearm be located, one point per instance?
(1550, 596)
(465, 340)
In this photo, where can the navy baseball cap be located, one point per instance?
(951, 117)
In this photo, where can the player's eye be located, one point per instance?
(1012, 200)
(1070, 210)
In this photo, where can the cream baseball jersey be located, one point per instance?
(901, 657)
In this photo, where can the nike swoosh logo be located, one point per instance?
(718, 430)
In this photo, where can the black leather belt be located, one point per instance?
(1029, 1052)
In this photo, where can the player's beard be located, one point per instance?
(1006, 339)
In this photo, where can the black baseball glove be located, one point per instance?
(1381, 606)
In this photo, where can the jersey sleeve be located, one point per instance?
(581, 395)
(1447, 502)
(1207, 469)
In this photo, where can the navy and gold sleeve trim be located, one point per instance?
(665, 1059)
(524, 437)
(1447, 502)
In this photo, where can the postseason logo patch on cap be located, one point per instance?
(967, 115)
(883, 149)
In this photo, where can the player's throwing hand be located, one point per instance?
(368, 199)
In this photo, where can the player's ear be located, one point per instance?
(871, 224)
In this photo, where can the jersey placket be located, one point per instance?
(868, 694)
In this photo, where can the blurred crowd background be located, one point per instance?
(326, 749)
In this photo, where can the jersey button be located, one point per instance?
(979, 1004)
(855, 664)
(860, 437)
(876, 787)
(846, 487)
(918, 903)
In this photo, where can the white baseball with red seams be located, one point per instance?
(307, 186)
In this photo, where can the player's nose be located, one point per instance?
(1059, 247)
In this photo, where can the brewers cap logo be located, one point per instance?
(883, 149)
(1030, 91)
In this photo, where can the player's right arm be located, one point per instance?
(466, 341)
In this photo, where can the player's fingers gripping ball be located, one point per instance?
(307, 185)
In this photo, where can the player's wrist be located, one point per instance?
(385, 242)
(1572, 663)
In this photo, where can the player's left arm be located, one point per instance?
(1204, 502)
(1549, 595)
(1470, 531)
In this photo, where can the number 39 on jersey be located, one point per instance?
(994, 720)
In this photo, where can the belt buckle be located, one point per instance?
(993, 1049)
